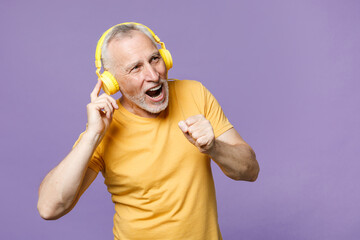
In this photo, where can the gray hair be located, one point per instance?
(117, 33)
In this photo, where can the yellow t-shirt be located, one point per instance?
(162, 186)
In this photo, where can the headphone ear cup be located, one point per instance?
(165, 54)
(110, 85)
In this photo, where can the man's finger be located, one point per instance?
(112, 100)
(95, 93)
(107, 102)
(189, 138)
(183, 126)
(202, 141)
(193, 119)
(103, 107)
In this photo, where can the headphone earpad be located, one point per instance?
(110, 85)
(165, 54)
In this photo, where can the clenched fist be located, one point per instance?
(198, 130)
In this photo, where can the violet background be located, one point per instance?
(285, 72)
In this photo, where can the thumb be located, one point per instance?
(183, 126)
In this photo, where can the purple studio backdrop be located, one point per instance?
(285, 72)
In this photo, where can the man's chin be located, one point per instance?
(157, 107)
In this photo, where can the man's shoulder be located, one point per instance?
(185, 84)
(187, 92)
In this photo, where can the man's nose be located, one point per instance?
(151, 74)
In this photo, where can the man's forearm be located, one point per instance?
(59, 188)
(236, 161)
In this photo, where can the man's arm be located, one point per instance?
(233, 155)
(62, 187)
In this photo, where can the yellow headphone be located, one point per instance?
(110, 84)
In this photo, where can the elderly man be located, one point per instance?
(153, 147)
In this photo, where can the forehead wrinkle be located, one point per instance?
(129, 66)
(128, 50)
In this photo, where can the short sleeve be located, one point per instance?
(214, 113)
(96, 162)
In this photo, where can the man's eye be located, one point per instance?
(135, 68)
(156, 58)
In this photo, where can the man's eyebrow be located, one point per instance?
(156, 53)
(131, 65)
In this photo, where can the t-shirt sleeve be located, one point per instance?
(214, 113)
(96, 162)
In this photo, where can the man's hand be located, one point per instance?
(198, 130)
(100, 111)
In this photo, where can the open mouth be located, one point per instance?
(155, 91)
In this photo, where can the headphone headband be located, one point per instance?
(101, 42)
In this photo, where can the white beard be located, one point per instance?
(157, 107)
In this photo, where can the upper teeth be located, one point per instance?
(155, 88)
